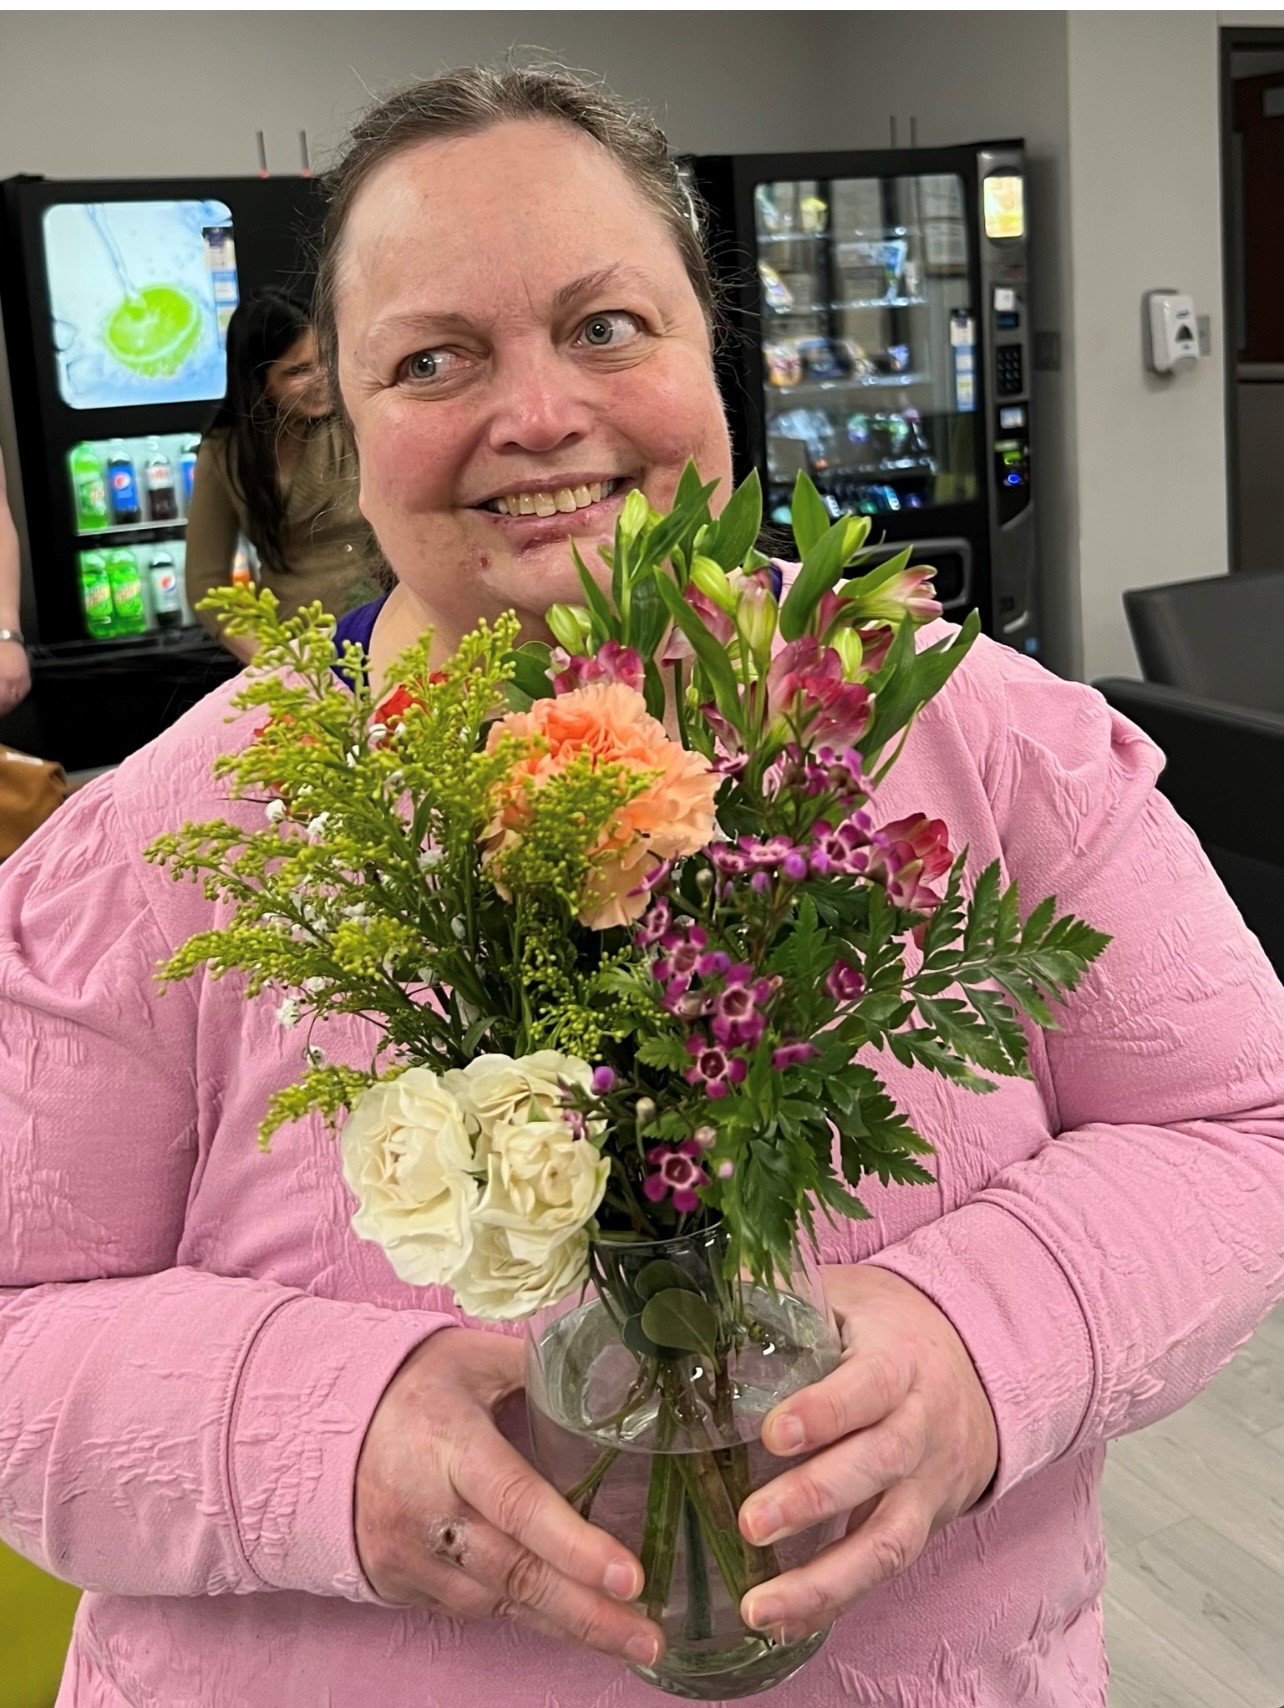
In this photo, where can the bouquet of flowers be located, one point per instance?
(631, 933)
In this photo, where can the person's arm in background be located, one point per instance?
(15, 672)
(213, 528)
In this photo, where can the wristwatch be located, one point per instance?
(12, 635)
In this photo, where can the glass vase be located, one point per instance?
(646, 1395)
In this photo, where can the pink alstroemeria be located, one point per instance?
(613, 663)
(914, 853)
(909, 593)
(676, 1172)
(806, 686)
(715, 619)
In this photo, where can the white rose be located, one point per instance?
(407, 1156)
(531, 1245)
(495, 1088)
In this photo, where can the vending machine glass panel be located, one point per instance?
(868, 341)
(140, 295)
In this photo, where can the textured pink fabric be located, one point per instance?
(192, 1341)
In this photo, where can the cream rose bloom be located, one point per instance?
(408, 1156)
(531, 1245)
(495, 1088)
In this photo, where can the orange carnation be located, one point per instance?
(673, 815)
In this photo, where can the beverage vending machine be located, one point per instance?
(116, 298)
(879, 339)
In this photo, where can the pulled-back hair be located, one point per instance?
(472, 100)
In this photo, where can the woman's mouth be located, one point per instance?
(584, 501)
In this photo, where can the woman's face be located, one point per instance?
(519, 347)
(295, 385)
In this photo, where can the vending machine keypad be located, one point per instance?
(1010, 378)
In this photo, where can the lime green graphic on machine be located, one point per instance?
(141, 295)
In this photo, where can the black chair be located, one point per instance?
(1213, 653)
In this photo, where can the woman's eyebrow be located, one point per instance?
(590, 283)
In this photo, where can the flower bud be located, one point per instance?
(756, 615)
(636, 514)
(846, 643)
(712, 581)
(570, 626)
(644, 1112)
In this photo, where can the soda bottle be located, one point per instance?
(187, 468)
(158, 476)
(167, 601)
(95, 595)
(122, 484)
(130, 618)
(90, 490)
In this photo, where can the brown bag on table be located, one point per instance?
(30, 789)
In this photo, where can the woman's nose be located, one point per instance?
(539, 404)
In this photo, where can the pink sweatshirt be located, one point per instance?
(192, 1340)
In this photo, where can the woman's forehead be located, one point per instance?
(533, 200)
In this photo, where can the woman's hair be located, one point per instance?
(263, 328)
(471, 100)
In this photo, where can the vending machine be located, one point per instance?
(878, 338)
(116, 299)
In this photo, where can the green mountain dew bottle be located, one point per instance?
(90, 487)
(129, 614)
(95, 595)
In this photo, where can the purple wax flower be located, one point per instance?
(603, 1081)
(844, 982)
(676, 1173)
(792, 1055)
(713, 1068)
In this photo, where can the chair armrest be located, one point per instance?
(1224, 764)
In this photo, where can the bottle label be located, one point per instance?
(159, 479)
(124, 489)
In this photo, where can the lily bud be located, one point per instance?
(846, 643)
(635, 515)
(756, 615)
(712, 581)
(570, 625)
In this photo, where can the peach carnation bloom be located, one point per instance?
(673, 815)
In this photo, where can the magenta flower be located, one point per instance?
(714, 618)
(713, 1068)
(844, 849)
(913, 852)
(676, 1172)
(653, 925)
(876, 641)
(613, 663)
(738, 1010)
(603, 1080)
(844, 982)
(683, 947)
(807, 691)
(792, 1055)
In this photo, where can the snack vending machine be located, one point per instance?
(116, 299)
(880, 340)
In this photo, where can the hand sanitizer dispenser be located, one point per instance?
(1172, 337)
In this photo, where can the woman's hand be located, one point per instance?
(15, 675)
(450, 1514)
(907, 1442)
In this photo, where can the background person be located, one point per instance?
(276, 467)
(15, 671)
(281, 1473)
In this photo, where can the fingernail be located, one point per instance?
(787, 1432)
(642, 1649)
(764, 1521)
(621, 1580)
(792, 1633)
(765, 1611)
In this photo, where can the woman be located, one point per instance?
(276, 467)
(278, 1469)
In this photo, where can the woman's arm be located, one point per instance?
(15, 672)
(163, 1430)
(213, 528)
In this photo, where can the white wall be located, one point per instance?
(1145, 211)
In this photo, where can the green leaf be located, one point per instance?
(664, 1052)
(681, 1321)
(808, 515)
(713, 659)
(530, 670)
(605, 624)
(661, 1275)
(821, 568)
(908, 681)
(738, 526)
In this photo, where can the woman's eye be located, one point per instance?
(603, 330)
(427, 365)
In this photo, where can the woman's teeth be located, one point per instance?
(563, 498)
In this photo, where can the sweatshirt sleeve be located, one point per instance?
(213, 529)
(1102, 1282)
(163, 1430)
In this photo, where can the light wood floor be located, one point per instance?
(1194, 1510)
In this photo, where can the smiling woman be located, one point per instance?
(287, 1477)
